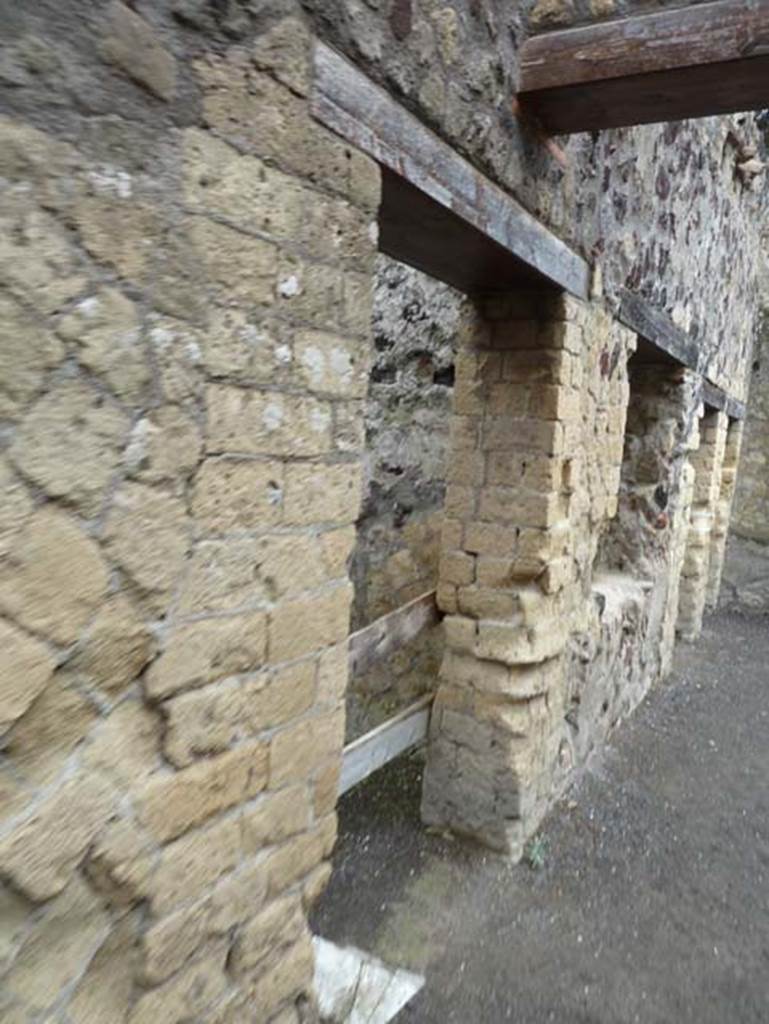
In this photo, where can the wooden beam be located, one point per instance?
(389, 740)
(390, 632)
(695, 61)
(658, 329)
(438, 212)
(715, 398)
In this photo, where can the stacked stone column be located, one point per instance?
(507, 573)
(723, 511)
(707, 462)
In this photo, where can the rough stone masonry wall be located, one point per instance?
(407, 413)
(562, 545)
(185, 269)
(638, 200)
(746, 572)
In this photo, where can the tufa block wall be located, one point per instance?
(186, 310)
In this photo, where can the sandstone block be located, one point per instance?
(27, 350)
(325, 621)
(206, 721)
(297, 751)
(116, 648)
(237, 896)
(191, 866)
(279, 925)
(41, 854)
(487, 603)
(293, 860)
(275, 817)
(243, 346)
(131, 44)
(56, 722)
(174, 802)
(26, 666)
(189, 995)
(490, 539)
(173, 941)
(327, 787)
(315, 885)
(57, 948)
(107, 332)
(332, 676)
(164, 447)
(55, 578)
(16, 506)
(330, 364)
(69, 444)
(240, 270)
(239, 573)
(248, 192)
(203, 652)
(273, 698)
(284, 51)
(457, 567)
(125, 747)
(235, 494)
(147, 533)
(266, 423)
(122, 233)
(322, 493)
(285, 978)
(103, 994)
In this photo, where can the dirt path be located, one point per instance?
(653, 902)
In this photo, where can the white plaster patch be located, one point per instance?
(283, 354)
(341, 364)
(289, 287)
(355, 988)
(319, 420)
(272, 416)
(112, 181)
(89, 307)
(314, 362)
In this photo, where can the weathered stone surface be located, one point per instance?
(288, 976)
(266, 423)
(16, 506)
(13, 916)
(103, 994)
(124, 748)
(203, 652)
(280, 696)
(236, 896)
(41, 854)
(115, 649)
(317, 493)
(329, 364)
(239, 346)
(147, 534)
(325, 620)
(52, 727)
(241, 574)
(121, 233)
(27, 350)
(275, 817)
(234, 494)
(279, 925)
(298, 751)
(164, 447)
(190, 866)
(188, 996)
(284, 51)
(37, 261)
(55, 579)
(176, 350)
(58, 948)
(206, 721)
(174, 802)
(70, 444)
(240, 269)
(26, 666)
(106, 329)
(130, 43)
(173, 941)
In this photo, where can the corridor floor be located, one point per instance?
(652, 904)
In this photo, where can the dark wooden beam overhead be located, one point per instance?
(695, 61)
(438, 212)
(661, 341)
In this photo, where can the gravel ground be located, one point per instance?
(652, 904)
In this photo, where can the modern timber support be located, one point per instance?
(438, 213)
(695, 61)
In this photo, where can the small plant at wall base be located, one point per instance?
(536, 853)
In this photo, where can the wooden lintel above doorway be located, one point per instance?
(695, 61)
(438, 212)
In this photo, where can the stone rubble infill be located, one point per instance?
(355, 988)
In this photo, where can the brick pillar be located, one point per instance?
(707, 462)
(723, 511)
(507, 573)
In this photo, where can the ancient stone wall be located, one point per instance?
(185, 281)
(639, 200)
(746, 571)
(407, 413)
